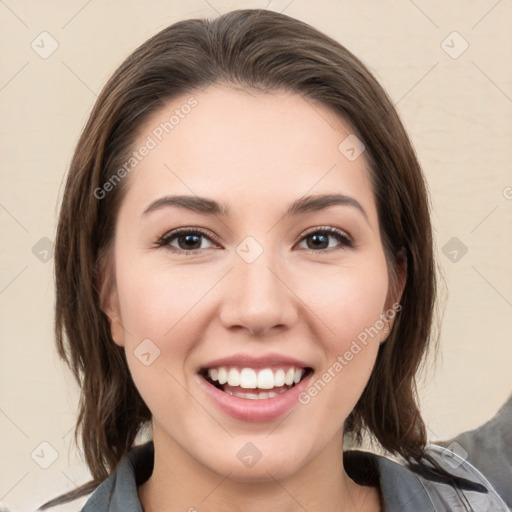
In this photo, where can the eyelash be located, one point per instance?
(344, 240)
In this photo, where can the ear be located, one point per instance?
(109, 300)
(396, 288)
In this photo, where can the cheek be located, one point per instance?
(163, 320)
(350, 304)
(156, 302)
(348, 301)
(164, 312)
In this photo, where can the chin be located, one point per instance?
(257, 460)
(270, 470)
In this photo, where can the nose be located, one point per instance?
(258, 297)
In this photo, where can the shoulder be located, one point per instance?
(489, 448)
(403, 487)
(469, 488)
(421, 488)
(118, 493)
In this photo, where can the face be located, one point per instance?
(268, 271)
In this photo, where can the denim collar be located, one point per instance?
(403, 489)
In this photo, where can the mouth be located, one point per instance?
(255, 383)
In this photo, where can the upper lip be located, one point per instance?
(260, 361)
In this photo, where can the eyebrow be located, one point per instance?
(211, 207)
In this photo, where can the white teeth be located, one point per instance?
(249, 378)
(288, 378)
(250, 396)
(266, 379)
(234, 377)
(279, 378)
(222, 375)
(263, 395)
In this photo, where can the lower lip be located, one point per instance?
(245, 409)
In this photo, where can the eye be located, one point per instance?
(193, 240)
(324, 238)
(187, 240)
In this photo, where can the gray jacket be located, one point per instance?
(489, 448)
(403, 489)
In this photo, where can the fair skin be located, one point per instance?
(302, 297)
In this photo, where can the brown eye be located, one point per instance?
(187, 241)
(325, 238)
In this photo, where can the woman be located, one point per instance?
(244, 263)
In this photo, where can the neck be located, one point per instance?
(179, 483)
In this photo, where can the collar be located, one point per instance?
(402, 488)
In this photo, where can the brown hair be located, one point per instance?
(265, 51)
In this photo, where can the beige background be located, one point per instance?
(457, 111)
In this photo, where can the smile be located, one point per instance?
(254, 383)
(254, 390)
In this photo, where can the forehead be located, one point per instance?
(266, 147)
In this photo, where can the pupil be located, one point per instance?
(319, 240)
(190, 240)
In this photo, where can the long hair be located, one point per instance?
(263, 51)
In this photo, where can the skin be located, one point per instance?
(255, 153)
